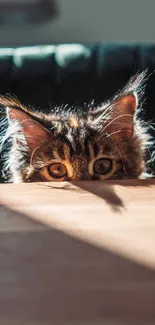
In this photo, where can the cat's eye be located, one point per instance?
(57, 170)
(102, 166)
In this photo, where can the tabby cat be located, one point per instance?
(94, 143)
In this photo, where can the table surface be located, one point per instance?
(80, 253)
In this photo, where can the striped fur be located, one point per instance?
(76, 138)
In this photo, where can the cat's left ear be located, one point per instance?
(118, 118)
(122, 115)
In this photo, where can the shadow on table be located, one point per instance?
(106, 192)
(105, 189)
(49, 277)
(102, 190)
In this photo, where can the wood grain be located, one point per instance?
(81, 253)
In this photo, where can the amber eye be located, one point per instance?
(57, 170)
(102, 166)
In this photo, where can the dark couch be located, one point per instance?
(75, 73)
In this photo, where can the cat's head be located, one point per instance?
(98, 143)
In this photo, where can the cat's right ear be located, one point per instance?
(34, 133)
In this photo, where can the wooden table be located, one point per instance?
(77, 254)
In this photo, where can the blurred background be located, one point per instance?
(73, 51)
(80, 21)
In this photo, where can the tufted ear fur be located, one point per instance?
(118, 116)
(34, 133)
(26, 126)
(121, 121)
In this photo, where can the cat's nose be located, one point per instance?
(83, 175)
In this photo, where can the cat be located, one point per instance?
(94, 143)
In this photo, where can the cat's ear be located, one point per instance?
(122, 115)
(118, 117)
(34, 133)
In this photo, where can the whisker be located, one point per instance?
(119, 152)
(116, 118)
(32, 155)
(119, 131)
